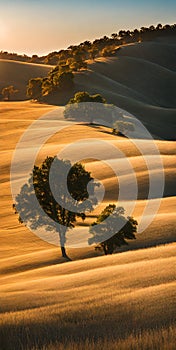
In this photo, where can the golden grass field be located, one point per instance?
(125, 301)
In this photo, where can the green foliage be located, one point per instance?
(77, 65)
(56, 81)
(35, 59)
(64, 80)
(60, 79)
(93, 52)
(76, 57)
(34, 88)
(109, 51)
(83, 96)
(78, 54)
(52, 58)
(37, 216)
(47, 87)
(78, 108)
(8, 91)
(103, 234)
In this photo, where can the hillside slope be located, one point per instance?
(15, 118)
(132, 293)
(140, 79)
(18, 74)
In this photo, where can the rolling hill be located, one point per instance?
(18, 74)
(141, 80)
(60, 307)
(47, 304)
(16, 117)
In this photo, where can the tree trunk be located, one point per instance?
(105, 250)
(64, 254)
(62, 245)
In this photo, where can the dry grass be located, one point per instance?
(124, 298)
(24, 246)
(154, 339)
(124, 301)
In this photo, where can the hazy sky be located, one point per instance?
(41, 26)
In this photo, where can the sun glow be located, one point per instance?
(3, 31)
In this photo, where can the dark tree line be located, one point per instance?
(56, 82)
(66, 62)
(76, 55)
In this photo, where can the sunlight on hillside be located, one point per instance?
(125, 300)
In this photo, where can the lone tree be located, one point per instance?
(84, 96)
(50, 213)
(107, 223)
(85, 107)
(8, 91)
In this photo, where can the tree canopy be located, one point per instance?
(84, 96)
(56, 82)
(8, 91)
(86, 107)
(34, 88)
(52, 214)
(112, 229)
(76, 57)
